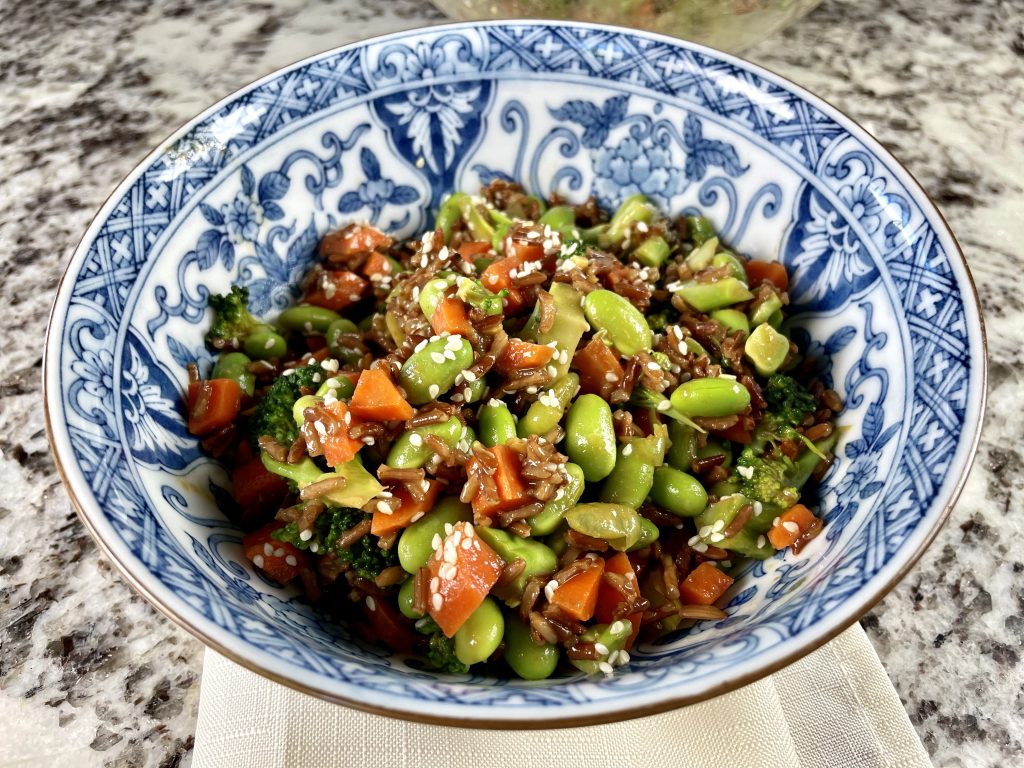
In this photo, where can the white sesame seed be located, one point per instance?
(466, 543)
(268, 550)
(269, 344)
(320, 428)
(664, 405)
(611, 377)
(700, 546)
(761, 541)
(469, 376)
(433, 390)
(371, 603)
(694, 540)
(450, 555)
(331, 365)
(436, 541)
(436, 601)
(448, 528)
(601, 648)
(288, 372)
(384, 508)
(776, 521)
(419, 347)
(306, 535)
(790, 526)
(549, 590)
(758, 508)
(718, 526)
(616, 627)
(415, 439)
(316, 378)
(628, 449)
(314, 547)
(435, 584)
(714, 538)
(448, 355)
(417, 516)
(258, 561)
(368, 440)
(279, 552)
(437, 357)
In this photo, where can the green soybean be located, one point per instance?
(432, 293)
(711, 397)
(481, 633)
(748, 541)
(432, 371)
(633, 210)
(264, 343)
(415, 545)
(495, 423)
(299, 407)
(652, 252)
(539, 558)
(235, 366)
(410, 451)
(700, 229)
(474, 391)
(613, 637)
(716, 446)
(705, 297)
(763, 312)
(590, 437)
(623, 324)
(631, 479)
(649, 534)
(307, 319)
(678, 492)
(683, 447)
(406, 598)
(336, 346)
(527, 659)
(732, 319)
(618, 524)
(341, 386)
(546, 411)
(700, 257)
(560, 218)
(767, 349)
(550, 518)
(726, 259)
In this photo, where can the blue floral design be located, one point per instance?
(630, 168)
(242, 219)
(376, 192)
(95, 369)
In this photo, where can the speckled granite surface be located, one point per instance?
(93, 674)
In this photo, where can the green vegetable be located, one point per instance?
(264, 343)
(546, 411)
(678, 492)
(613, 637)
(732, 319)
(767, 349)
(474, 294)
(683, 449)
(415, 545)
(527, 659)
(788, 399)
(431, 372)
(712, 523)
(360, 486)
(299, 409)
(649, 534)
(711, 397)
(770, 480)
(726, 259)
(700, 258)
(764, 311)
(633, 475)
(700, 229)
(496, 423)
(337, 348)
(539, 559)
(406, 598)
(441, 655)
(652, 252)
(235, 366)
(590, 437)
(481, 633)
(618, 524)
(548, 520)
(232, 322)
(569, 326)
(410, 450)
(623, 324)
(560, 218)
(307, 319)
(341, 386)
(633, 209)
(273, 414)
(643, 397)
(705, 297)
(366, 558)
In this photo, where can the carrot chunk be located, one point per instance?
(704, 585)
(450, 317)
(338, 446)
(578, 596)
(599, 368)
(790, 526)
(519, 354)
(376, 398)
(280, 560)
(212, 404)
(772, 271)
(461, 575)
(335, 289)
(409, 510)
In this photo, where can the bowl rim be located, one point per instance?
(812, 642)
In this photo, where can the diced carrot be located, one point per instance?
(578, 596)
(256, 489)
(377, 265)
(409, 510)
(338, 446)
(280, 560)
(519, 354)
(376, 398)
(634, 619)
(608, 597)
(704, 585)
(525, 250)
(508, 477)
(772, 271)
(335, 289)
(386, 625)
(212, 404)
(782, 533)
(469, 251)
(599, 368)
(737, 433)
(353, 239)
(450, 317)
(465, 574)
(498, 273)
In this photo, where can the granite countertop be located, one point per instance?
(96, 676)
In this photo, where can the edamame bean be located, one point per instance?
(710, 397)
(235, 366)
(432, 293)
(732, 319)
(720, 515)
(590, 437)
(613, 637)
(481, 633)
(652, 252)
(539, 559)
(618, 524)
(336, 347)
(546, 411)
(684, 445)
(700, 229)
(406, 599)
(341, 386)
(307, 319)
(300, 406)
(432, 371)
(527, 659)
(633, 475)
(767, 349)
(726, 259)
(705, 297)
(716, 446)
(764, 311)
(623, 324)
(649, 534)
(474, 391)
(415, 545)
(700, 257)
(633, 210)
(496, 423)
(264, 343)
(678, 492)
(565, 499)
(560, 218)
(410, 451)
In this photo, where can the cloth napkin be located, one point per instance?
(834, 708)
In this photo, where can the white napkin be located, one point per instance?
(834, 708)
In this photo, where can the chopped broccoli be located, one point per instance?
(232, 321)
(768, 481)
(441, 655)
(788, 399)
(474, 294)
(367, 559)
(273, 414)
(658, 321)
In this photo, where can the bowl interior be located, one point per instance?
(381, 131)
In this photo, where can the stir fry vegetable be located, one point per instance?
(526, 440)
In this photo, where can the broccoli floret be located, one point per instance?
(367, 559)
(658, 322)
(474, 294)
(788, 399)
(232, 321)
(768, 481)
(441, 655)
(273, 415)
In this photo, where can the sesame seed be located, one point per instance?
(314, 547)
(653, 366)
(436, 601)
(606, 668)
(437, 357)
(433, 390)
(776, 521)
(288, 372)
(701, 547)
(664, 405)
(601, 648)
(694, 540)
(417, 516)
(623, 657)
(435, 584)
(760, 541)
(258, 561)
(384, 508)
(616, 627)
(628, 449)
(469, 376)
(320, 428)
(758, 508)
(306, 535)
(610, 377)
(436, 541)
(369, 440)
(419, 347)
(790, 526)
(415, 439)
(279, 552)
(448, 528)
(714, 538)
(448, 355)
(466, 543)
(718, 526)
(331, 365)
(549, 590)
(371, 603)
(269, 344)
(552, 371)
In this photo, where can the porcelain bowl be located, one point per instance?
(382, 131)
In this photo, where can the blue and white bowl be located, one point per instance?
(381, 131)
